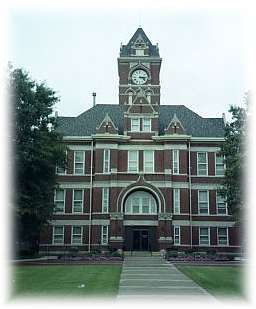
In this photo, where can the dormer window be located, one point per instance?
(135, 124)
(139, 52)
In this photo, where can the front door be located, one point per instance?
(140, 240)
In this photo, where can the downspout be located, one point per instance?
(190, 204)
(90, 207)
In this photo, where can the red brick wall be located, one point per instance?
(98, 160)
(68, 202)
(67, 234)
(211, 164)
(213, 235)
(97, 200)
(212, 202)
(159, 161)
(122, 161)
(183, 161)
(193, 162)
(184, 201)
(194, 201)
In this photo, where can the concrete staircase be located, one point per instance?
(151, 276)
(141, 253)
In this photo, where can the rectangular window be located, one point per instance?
(175, 161)
(79, 162)
(146, 124)
(58, 234)
(77, 233)
(60, 170)
(135, 205)
(135, 124)
(105, 200)
(176, 235)
(133, 160)
(106, 163)
(78, 201)
(221, 204)
(202, 163)
(176, 201)
(145, 205)
(148, 161)
(104, 234)
(222, 236)
(203, 201)
(59, 200)
(219, 165)
(204, 238)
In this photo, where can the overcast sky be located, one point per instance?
(75, 52)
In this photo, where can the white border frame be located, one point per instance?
(144, 171)
(53, 234)
(104, 157)
(209, 236)
(73, 195)
(104, 244)
(216, 202)
(132, 118)
(64, 209)
(74, 163)
(178, 190)
(176, 226)
(198, 206)
(102, 200)
(72, 233)
(207, 167)
(221, 245)
(224, 165)
(128, 165)
(142, 124)
(178, 158)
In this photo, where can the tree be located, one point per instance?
(234, 153)
(38, 148)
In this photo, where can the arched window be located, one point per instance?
(140, 202)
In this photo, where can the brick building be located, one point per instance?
(140, 175)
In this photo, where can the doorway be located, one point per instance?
(140, 240)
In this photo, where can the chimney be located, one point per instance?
(94, 98)
(56, 114)
(224, 118)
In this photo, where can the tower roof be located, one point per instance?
(139, 37)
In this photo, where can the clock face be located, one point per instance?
(139, 77)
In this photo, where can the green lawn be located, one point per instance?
(98, 280)
(218, 280)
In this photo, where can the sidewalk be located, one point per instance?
(144, 277)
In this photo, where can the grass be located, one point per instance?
(218, 280)
(98, 280)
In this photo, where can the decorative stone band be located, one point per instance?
(116, 238)
(165, 239)
(140, 222)
(165, 216)
(116, 216)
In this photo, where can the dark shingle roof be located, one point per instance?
(126, 50)
(85, 124)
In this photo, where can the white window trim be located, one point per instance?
(74, 165)
(178, 159)
(64, 207)
(72, 233)
(221, 245)
(73, 199)
(174, 227)
(104, 159)
(198, 202)
(135, 118)
(102, 202)
(142, 127)
(217, 208)
(209, 236)
(53, 234)
(177, 190)
(129, 151)
(102, 243)
(153, 163)
(201, 163)
(224, 165)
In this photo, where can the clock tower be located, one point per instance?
(138, 68)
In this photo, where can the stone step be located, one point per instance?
(137, 290)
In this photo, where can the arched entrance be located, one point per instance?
(140, 216)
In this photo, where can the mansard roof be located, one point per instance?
(85, 124)
(126, 50)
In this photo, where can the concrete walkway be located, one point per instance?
(151, 276)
